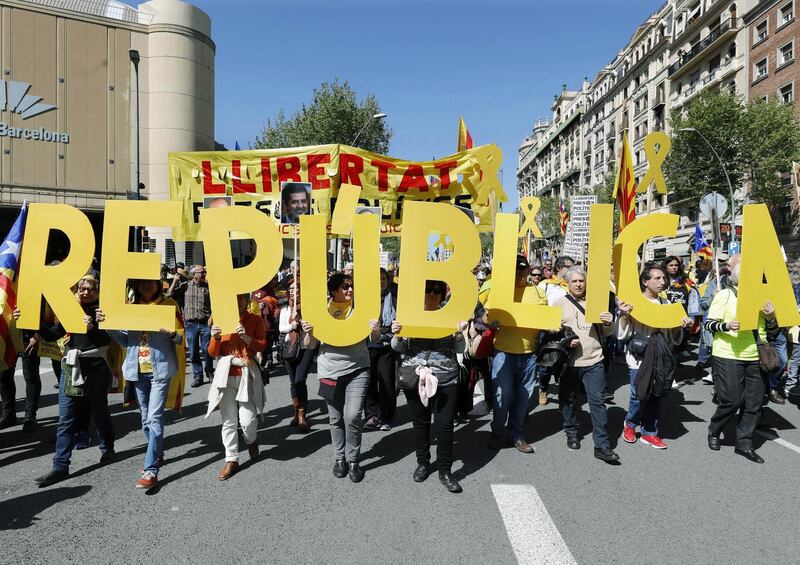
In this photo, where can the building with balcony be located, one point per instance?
(772, 36)
(550, 157)
(684, 47)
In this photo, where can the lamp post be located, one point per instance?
(134, 56)
(373, 117)
(727, 177)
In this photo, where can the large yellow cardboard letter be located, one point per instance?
(598, 279)
(502, 306)
(626, 270)
(120, 265)
(225, 281)
(419, 220)
(366, 280)
(36, 280)
(761, 257)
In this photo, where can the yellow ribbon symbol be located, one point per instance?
(529, 207)
(444, 242)
(656, 147)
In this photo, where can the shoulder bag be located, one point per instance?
(768, 358)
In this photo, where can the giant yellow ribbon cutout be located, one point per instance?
(529, 207)
(656, 147)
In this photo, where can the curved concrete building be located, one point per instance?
(68, 102)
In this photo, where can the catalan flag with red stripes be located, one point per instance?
(10, 336)
(564, 215)
(625, 186)
(464, 138)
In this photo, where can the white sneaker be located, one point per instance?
(708, 379)
(675, 385)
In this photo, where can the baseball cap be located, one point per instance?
(722, 256)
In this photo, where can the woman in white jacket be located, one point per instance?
(645, 413)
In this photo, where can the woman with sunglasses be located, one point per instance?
(344, 378)
(536, 275)
(151, 361)
(429, 375)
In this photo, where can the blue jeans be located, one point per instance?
(780, 344)
(513, 379)
(644, 413)
(594, 380)
(152, 396)
(198, 334)
(72, 410)
(794, 368)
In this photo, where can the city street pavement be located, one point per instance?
(686, 504)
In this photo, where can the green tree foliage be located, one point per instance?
(334, 116)
(756, 141)
(549, 219)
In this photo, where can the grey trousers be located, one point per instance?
(344, 413)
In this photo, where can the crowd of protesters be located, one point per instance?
(361, 383)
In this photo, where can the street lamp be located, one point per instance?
(373, 117)
(134, 56)
(727, 177)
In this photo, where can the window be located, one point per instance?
(787, 13)
(761, 31)
(786, 93)
(786, 53)
(761, 68)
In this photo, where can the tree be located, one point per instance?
(691, 168)
(334, 116)
(774, 125)
(549, 218)
(756, 141)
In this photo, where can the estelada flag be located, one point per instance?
(625, 185)
(10, 336)
(564, 215)
(464, 138)
(701, 246)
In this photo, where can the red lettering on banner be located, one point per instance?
(238, 185)
(350, 167)
(444, 172)
(266, 176)
(315, 171)
(413, 178)
(383, 174)
(288, 169)
(209, 186)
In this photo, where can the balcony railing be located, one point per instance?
(701, 46)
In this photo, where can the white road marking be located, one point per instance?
(533, 535)
(773, 437)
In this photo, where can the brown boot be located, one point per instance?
(296, 418)
(252, 449)
(228, 470)
(302, 421)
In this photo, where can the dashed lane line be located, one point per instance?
(532, 532)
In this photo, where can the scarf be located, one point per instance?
(388, 313)
(340, 310)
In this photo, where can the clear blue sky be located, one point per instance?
(498, 63)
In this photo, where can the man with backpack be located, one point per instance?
(584, 364)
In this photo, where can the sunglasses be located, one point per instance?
(346, 286)
(86, 289)
(536, 274)
(433, 289)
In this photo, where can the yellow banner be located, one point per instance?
(259, 178)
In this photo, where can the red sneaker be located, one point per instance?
(629, 434)
(147, 481)
(654, 441)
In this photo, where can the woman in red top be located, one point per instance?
(237, 387)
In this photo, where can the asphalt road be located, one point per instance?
(686, 504)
